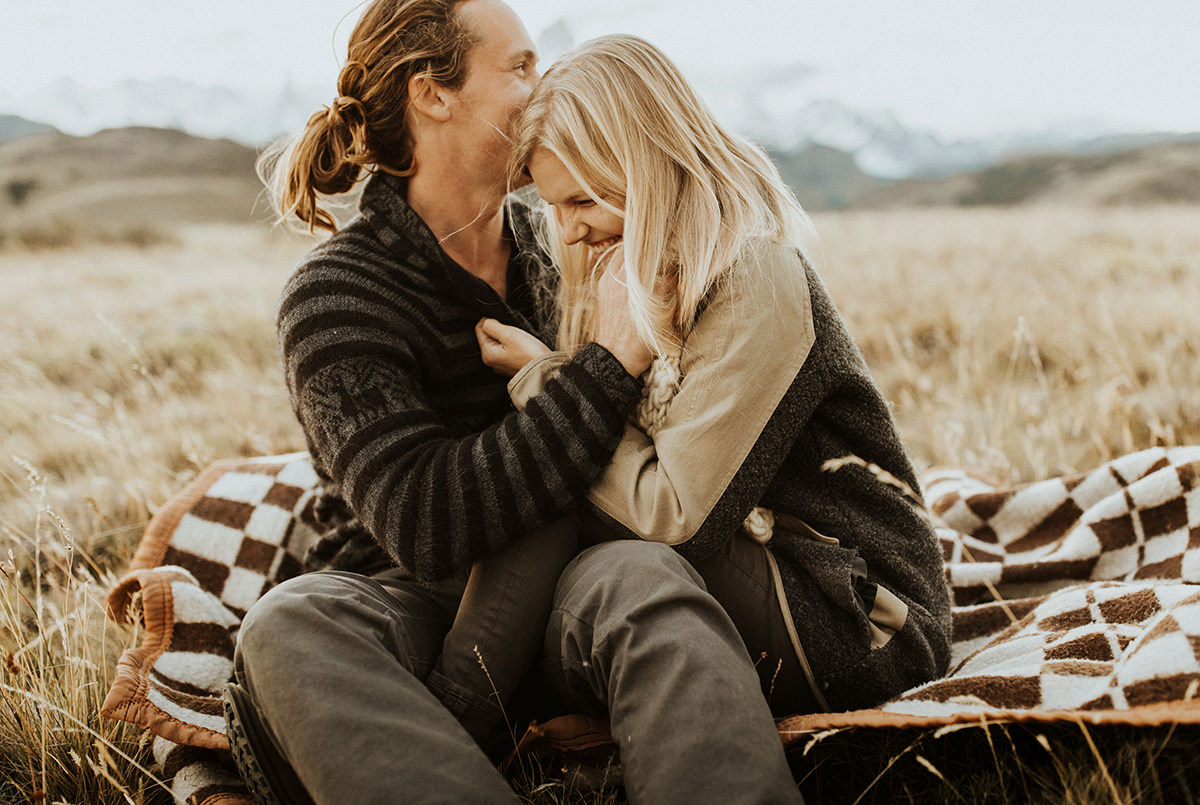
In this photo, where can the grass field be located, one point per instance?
(1024, 342)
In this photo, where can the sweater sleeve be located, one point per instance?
(437, 501)
(529, 382)
(739, 361)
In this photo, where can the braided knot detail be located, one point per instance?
(662, 384)
(344, 104)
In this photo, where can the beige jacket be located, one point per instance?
(737, 364)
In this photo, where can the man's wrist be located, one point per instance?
(608, 369)
(619, 355)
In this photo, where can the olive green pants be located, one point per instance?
(337, 664)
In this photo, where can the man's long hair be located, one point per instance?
(366, 127)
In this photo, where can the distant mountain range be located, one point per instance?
(773, 109)
(219, 112)
(12, 126)
(140, 174)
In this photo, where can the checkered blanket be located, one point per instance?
(239, 528)
(1076, 598)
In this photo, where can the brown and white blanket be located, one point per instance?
(236, 530)
(1077, 598)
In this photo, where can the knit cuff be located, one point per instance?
(528, 383)
(616, 385)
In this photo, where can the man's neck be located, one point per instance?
(467, 221)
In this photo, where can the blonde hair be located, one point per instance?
(641, 143)
(366, 127)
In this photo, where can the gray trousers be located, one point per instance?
(337, 663)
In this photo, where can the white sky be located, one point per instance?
(959, 67)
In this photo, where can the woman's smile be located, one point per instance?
(599, 247)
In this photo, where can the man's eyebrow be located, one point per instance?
(528, 55)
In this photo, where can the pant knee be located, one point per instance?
(615, 585)
(288, 618)
(627, 564)
(630, 609)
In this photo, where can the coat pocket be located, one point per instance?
(844, 578)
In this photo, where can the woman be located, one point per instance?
(765, 454)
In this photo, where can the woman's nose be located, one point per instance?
(573, 231)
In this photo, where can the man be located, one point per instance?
(418, 438)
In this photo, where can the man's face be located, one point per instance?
(501, 73)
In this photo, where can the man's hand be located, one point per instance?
(506, 349)
(614, 327)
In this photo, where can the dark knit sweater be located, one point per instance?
(404, 421)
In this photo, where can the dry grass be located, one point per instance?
(58, 659)
(126, 369)
(1024, 342)
(1046, 764)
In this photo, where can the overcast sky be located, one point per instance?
(958, 67)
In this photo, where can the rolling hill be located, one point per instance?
(1162, 173)
(160, 178)
(822, 177)
(120, 177)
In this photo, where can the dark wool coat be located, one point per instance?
(773, 393)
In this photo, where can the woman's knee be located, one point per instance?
(634, 602)
(629, 563)
(617, 582)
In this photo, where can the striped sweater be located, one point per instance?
(406, 424)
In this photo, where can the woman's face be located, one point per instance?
(580, 218)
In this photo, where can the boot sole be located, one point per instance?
(267, 775)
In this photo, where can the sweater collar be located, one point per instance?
(397, 225)
(401, 230)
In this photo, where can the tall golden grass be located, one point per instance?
(126, 369)
(1023, 342)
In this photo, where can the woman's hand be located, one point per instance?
(506, 349)
(614, 327)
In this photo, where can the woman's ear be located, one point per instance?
(429, 98)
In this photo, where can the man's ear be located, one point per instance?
(429, 98)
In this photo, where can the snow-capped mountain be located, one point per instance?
(783, 115)
(773, 105)
(167, 103)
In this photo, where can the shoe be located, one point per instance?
(269, 777)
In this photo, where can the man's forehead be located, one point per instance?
(496, 28)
